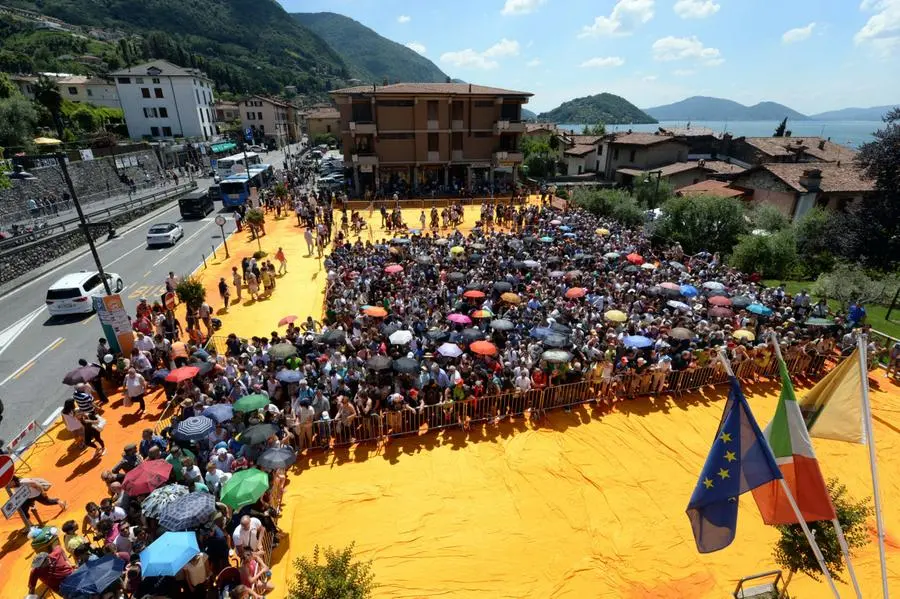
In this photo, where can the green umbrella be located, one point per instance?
(244, 488)
(248, 403)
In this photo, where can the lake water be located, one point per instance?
(849, 133)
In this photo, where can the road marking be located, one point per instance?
(147, 274)
(12, 332)
(88, 319)
(177, 247)
(131, 251)
(57, 344)
(31, 362)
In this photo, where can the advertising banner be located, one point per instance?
(116, 325)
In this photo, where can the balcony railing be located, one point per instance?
(457, 156)
(457, 125)
(506, 156)
(433, 125)
(366, 158)
(361, 128)
(505, 126)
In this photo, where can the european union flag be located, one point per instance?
(740, 460)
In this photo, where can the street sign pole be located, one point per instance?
(220, 220)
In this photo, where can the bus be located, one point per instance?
(235, 190)
(225, 166)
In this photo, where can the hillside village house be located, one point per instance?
(163, 100)
(75, 88)
(629, 155)
(322, 121)
(268, 119)
(429, 135)
(752, 151)
(582, 154)
(226, 112)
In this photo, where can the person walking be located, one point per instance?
(308, 236)
(237, 281)
(37, 493)
(93, 424)
(135, 388)
(252, 286)
(282, 261)
(224, 292)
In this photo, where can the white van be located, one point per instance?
(73, 293)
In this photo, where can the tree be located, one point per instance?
(701, 223)
(772, 255)
(18, 118)
(779, 131)
(768, 218)
(339, 577)
(597, 129)
(815, 233)
(7, 87)
(256, 220)
(191, 292)
(792, 550)
(628, 211)
(652, 192)
(849, 283)
(46, 93)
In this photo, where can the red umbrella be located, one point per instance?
(287, 320)
(718, 300)
(672, 286)
(182, 374)
(376, 311)
(147, 477)
(393, 269)
(720, 312)
(484, 348)
(576, 292)
(474, 294)
(635, 258)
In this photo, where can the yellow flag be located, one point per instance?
(833, 408)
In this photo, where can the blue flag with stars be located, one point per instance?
(739, 460)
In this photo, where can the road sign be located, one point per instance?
(220, 220)
(7, 469)
(19, 496)
(169, 300)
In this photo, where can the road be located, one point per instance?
(36, 351)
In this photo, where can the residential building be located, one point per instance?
(639, 152)
(426, 136)
(582, 154)
(164, 100)
(794, 188)
(226, 111)
(75, 88)
(711, 187)
(268, 119)
(751, 151)
(322, 121)
(676, 174)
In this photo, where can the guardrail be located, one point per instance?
(883, 342)
(428, 203)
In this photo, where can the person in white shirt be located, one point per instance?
(523, 382)
(135, 387)
(190, 471)
(144, 343)
(215, 478)
(223, 460)
(247, 535)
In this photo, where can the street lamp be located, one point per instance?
(658, 177)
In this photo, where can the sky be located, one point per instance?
(812, 55)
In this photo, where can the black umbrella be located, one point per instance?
(553, 260)
(379, 363)
(502, 286)
(424, 259)
(554, 340)
(159, 376)
(456, 276)
(655, 290)
(560, 328)
(437, 335)
(390, 328)
(741, 301)
(716, 292)
(257, 434)
(82, 374)
(188, 512)
(472, 334)
(334, 337)
(477, 246)
(202, 367)
(93, 578)
(473, 286)
(276, 458)
(501, 324)
(406, 365)
(194, 428)
(519, 264)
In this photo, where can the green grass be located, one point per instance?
(876, 315)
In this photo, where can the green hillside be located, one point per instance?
(601, 108)
(369, 56)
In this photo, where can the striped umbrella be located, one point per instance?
(194, 428)
(154, 503)
(188, 512)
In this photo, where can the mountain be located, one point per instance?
(853, 114)
(601, 108)
(244, 45)
(528, 115)
(369, 56)
(702, 108)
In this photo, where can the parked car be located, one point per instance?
(164, 234)
(73, 293)
(196, 204)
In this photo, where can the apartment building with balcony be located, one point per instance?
(425, 136)
(268, 119)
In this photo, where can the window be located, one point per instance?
(397, 103)
(73, 91)
(483, 103)
(457, 141)
(90, 92)
(328, 128)
(139, 80)
(92, 283)
(632, 156)
(433, 142)
(202, 117)
(457, 110)
(197, 93)
(395, 136)
(124, 80)
(167, 132)
(208, 115)
(483, 134)
(615, 153)
(156, 80)
(157, 91)
(251, 116)
(145, 92)
(432, 110)
(259, 116)
(154, 131)
(163, 112)
(150, 113)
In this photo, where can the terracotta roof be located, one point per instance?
(723, 168)
(166, 68)
(641, 139)
(711, 187)
(846, 178)
(687, 131)
(787, 146)
(667, 170)
(533, 127)
(580, 150)
(461, 89)
(586, 139)
(323, 113)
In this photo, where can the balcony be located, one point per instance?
(457, 156)
(507, 157)
(434, 157)
(509, 127)
(433, 125)
(367, 158)
(360, 128)
(457, 125)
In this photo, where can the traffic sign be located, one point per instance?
(169, 300)
(220, 220)
(7, 469)
(19, 497)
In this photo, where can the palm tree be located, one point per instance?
(46, 92)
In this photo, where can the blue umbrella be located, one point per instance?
(159, 376)
(546, 239)
(638, 341)
(569, 235)
(689, 291)
(565, 228)
(188, 512)
(194, 428)
(759, 309)
(289, 376)
(93, 577)
(169, 553)
(220, 412)
(541, 332)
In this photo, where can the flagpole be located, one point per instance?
(845, 549)
(873, 462)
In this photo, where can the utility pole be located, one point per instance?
(61, 161)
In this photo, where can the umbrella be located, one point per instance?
(741, 301)
(556, 356)
(714, 285)
(379, 363)
(203, 367)
(457, 249)
(276, 458)
(401, 337)
(153, 504)
(472, 334)
(511, 298)
(565, 228)
(744, 334)
(287, 320)
(249, 403)
(437, 335)
(532, 263)
(540, 332)
(389, 329)
(244, 488)
(648, 266)
(759, 309)
(719, 300)
(401, 241)
(688, 291)
(611, 255)
(189, 512)
(616, 316)
(576, 292)
(501, 324)
(159, 376)
(671, 286)
(477, 246)
(223, 412)
(449, 350)
(283, 351)
(456, 276)
(634, 258)
(182, 374)
(424, 259)
(82, 374)
(147, 477)
(574, 274)
(481, 314)
(257, 434)
(484, 348)
(560, 328)
(194, 428)
(819, 322)
(289, 376)
(46, 141)
(555, 340)
(631, 268)
(681, 333)
(557, 274)
(169, 553)
(393, 269)
(503, 286)
(677, 265)
(93, 578)
(546, 239)
(603, 232)
(720, 312)
(678, 305)
(406, 365)
(459, 319)
(376, 311)
(569, 235)
(334, 337)
(638, 341)
(441, 241)
(474, 294)
(555, 221)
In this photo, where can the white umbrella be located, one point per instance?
(678, 305)
(450, 350)
(714, 285)
(648, 266)
(400, 337)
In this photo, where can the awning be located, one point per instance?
(223, 147)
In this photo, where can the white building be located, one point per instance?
(163, 100)
(75, 88)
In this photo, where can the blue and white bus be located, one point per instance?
(225, 166)
(236, 188)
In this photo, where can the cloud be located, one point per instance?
(534, 62)
(684, 72)
(882, 30)
(696, 9)
(686, 48)
(520, 7)
(625, 17)
(469, 58)
(603, 62)
(649, 78)
(798, 34)
(404, 19)
(416, 47)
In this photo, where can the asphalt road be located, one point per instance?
(36, 350)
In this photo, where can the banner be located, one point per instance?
(115, 323)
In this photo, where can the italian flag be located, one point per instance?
(789, 439)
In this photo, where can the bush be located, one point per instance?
(340, 577)
(768, 218)
(849, 283)
(652, 193)
(259, 254)
(816, 233)
(191, 292)
(701, 223)
(771, 255)
(627, 211)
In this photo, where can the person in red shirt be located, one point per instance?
(50, 568)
